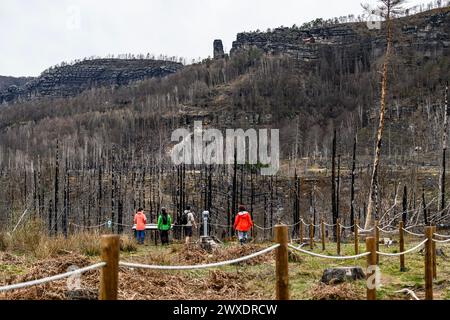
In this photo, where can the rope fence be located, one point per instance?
(110, 265)
(441, 235)
(420, 245)
(441, 241)
(200, 266)
(86, 227)
(414, 234)
(387, 231)
(52, 278)
(362, 255)
(365, 230)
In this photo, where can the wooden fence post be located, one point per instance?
(429, 264)
(402, 246)
(311, 236)
(356, 237)
(377, 239)
(282, 267)
(109, 276)
(323, 234)
(338, 236)
(434, 255)
(371, 268)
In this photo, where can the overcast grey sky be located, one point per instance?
(37, 34)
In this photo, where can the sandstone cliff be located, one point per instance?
(69, 80)
(428, 32)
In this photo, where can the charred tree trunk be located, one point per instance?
(50, 217)
(234, 191)
(333, 186)
(405, 205)
(66, 195)
(352, 191)
(252, 197)
(56, 188)
(424, 208)
(99, 196)
(444, 149)
(338, 188)
(296, 230)
(113, 194)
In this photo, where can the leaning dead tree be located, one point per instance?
(388, 9)
(444, 149)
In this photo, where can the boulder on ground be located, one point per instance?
(342, 274)
(208, 244)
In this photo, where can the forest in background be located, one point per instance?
(102, 154)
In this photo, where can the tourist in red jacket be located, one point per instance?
(140, 220)
(242, 224)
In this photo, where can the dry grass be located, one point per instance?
(33, 240)
(137, 284)
(195, 255)
(345, 291)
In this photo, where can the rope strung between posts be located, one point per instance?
(314, 225)
(365, 230)
(255, 225)
(52, 278)
(441, 235)
(442, 241)
(220, 225)
(84, 227)
(344, 227)
(414, 234)
(304, 223)
(262, 228)
(404, 252)
(293, 225)
(388, 231)
(329, 225)
(123, 225)
(200, 266)
(329, 257)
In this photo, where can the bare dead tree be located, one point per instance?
(56, 190)
(333, 185)
(424, 208)
(405, 205)
(388, 9)
(444, 150)
(352, 191)
(338, 188)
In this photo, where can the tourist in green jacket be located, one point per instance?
(164, 226)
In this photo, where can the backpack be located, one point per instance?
(184, 218)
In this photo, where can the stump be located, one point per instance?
(342, 274)
(208, 244)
